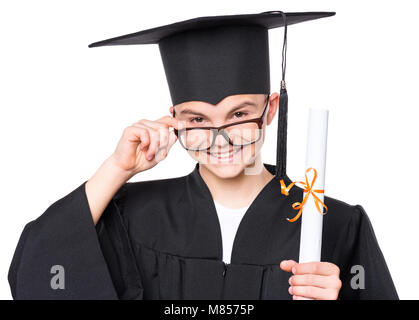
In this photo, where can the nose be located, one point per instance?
(220, 141)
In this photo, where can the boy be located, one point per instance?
(168, 239)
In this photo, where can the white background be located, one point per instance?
(64, 106)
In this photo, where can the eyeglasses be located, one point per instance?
(241, 133)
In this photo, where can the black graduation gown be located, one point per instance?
(161, 239)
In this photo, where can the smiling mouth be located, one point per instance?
(226, 155)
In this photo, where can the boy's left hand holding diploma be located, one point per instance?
(313, 280)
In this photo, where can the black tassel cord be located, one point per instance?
(281, 151)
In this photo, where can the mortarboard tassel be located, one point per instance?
(281, 151)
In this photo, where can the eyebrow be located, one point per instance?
(189, 111)
(241, 105)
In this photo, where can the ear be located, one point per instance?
(171, 110)
(273, 107)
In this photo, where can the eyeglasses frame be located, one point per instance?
(220, 130)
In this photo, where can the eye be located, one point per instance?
(239, 114)
(197, 120)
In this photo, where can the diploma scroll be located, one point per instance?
(312, 219)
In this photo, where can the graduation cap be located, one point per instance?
(210, 58)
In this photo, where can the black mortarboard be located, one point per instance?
(210, 58)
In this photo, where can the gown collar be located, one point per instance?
(268, 205)
(271, 168)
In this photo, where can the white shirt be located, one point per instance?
(229, 221)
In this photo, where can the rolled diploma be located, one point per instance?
(311, 219)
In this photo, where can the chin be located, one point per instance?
(225, 171)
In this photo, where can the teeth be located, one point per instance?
(222, 155)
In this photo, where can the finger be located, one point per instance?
(163, 122)
(172, 140)
(138, 134)
(300, 298)
(164, 139)
(161, 152)
(313, 292)
(154, 144)
(315, 281)
(170, 122)
(145, 129)
(287, 265)
(320, 268)
(152, 124)
(140, 157)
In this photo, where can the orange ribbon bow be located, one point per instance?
(308, 190)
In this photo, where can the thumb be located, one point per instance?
(287, 265)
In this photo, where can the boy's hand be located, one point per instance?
(313, 280)
(144, 144)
